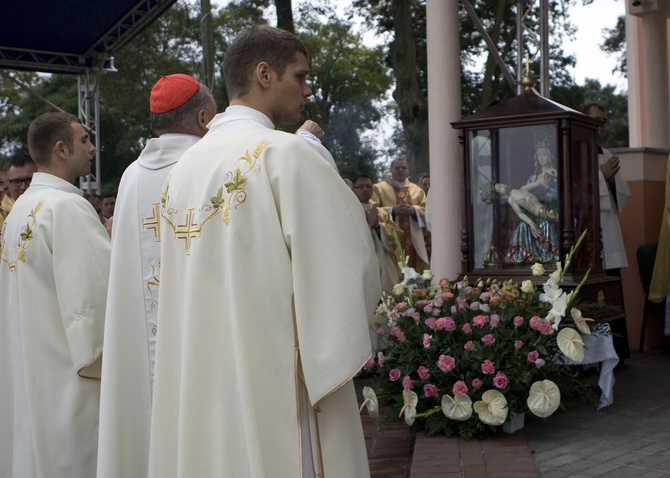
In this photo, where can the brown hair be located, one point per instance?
(252, 46)
(46, 130)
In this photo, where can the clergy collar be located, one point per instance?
(244, 111)
(46, 179)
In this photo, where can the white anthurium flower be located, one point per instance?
(492, 408)
(543, 398)
(409, 274)
(527, 287)
(570, 343)
(410, 400)
(581, 322)
(370, 402)
(458, 408)
(537, 269)
(427, 275)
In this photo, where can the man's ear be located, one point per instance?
(60, 150)
(263, 74)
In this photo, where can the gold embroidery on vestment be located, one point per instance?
(24, 243)
(153, 223)
(231, 194)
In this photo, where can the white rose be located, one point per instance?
(537, 269)
(427, 275)
(527, 286)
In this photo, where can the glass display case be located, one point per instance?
(529, 187)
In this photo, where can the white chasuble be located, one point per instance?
(132, 310)
(53, 286)
(268, 278)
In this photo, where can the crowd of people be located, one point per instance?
(268, 268)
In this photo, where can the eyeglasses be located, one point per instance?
(16, 182)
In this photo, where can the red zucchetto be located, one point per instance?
(171, 92)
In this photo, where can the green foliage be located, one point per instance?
(615, 43)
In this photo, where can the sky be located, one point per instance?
(592, 62)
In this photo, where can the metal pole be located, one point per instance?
(207, 36)
(519, 46)
(544, 48)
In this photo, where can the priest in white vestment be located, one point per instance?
(54, 271)
(268, 278)
(181, 107)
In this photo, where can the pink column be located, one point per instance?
(444, 99)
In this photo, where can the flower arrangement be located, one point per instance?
(460, 357)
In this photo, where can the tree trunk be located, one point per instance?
(408, 95)
(488, 91)
(285, 15)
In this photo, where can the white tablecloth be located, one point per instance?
(599, 350)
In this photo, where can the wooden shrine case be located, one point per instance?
(529, 189)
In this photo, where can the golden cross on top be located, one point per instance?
(153, 223)
(187, 231)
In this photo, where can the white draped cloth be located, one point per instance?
(268, 278)
(53, 286)
(132, 310)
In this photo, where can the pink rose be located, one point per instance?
(495, 319)
(541, 325)
(368, 365)
(423, 372)
(476, 383)
(446, 363)
(479, 320)
(393, 315)
(539, 363)
(462, 303)
(508, 295)
(380, 359)
(488, 367)
(488, 339)
(466, 328)
(518, 344)
(533, 356)
(394, 374)
(407, 383)
(401, 306)
(439, 323)
(426, 341)
(449, 324)
(438, 302)
(500, 380)
(518, 321)
(419, 293)
(380, 331)
(428, 309)
(399, 334)
(416, 316)
(460, 387)
(430, 390)
(495, 300)
(446, 296)
(469, 345)
(430, 323)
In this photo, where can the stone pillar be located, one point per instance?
(444, 99)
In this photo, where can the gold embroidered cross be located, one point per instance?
(187, 231)
(153, 223)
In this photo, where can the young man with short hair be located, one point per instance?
(54, 271)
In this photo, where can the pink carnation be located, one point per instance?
(518, 344)
(446, 363)
(541, 325)
(488, 339)
(380, 331)
(488, 367)
(518, 321)
(439, 323)
(462, 303)
(430, 323)
(460, 387)
(479, 320)
(394, 374)
(416, 316)
(469, 345)
(426, 341)
(449, 324)
(466, 328)
(430, 390)
(500, 380)
(423, 372)
(380, 359)
(533, 356)
(476, 383)
(407, 383)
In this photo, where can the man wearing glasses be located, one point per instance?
(19, 175)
